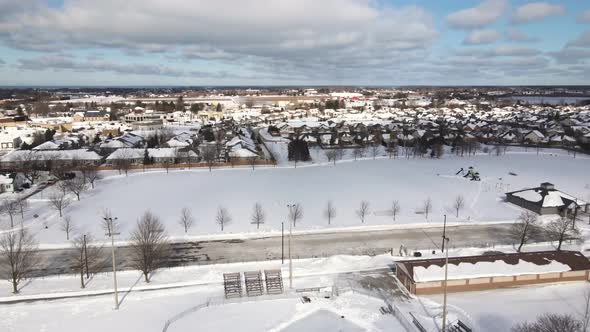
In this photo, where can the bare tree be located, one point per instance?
(76, 186)
(363, 211)
(28, 165)
(252, 161)
(562, 229)
(10, 208)
(395, 208)
(18, 255)
(148, 244)
(586, 315)
(295, 213)
(357, 153)
(23, 205)
(67, 225)
(330, 212)
(458, 204)
(167, 164)
(123, 161)
(109, 223)
(209, 154)
(374, 150)
(86, 257)
(223, 217)
(258, 216)
(186, 219)
(427, 207)
(524, 228)
(59, 201)
(331, 154)
(550, 322)
(91, 174)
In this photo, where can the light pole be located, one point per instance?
(290, 206)
(444, 234)
(282, 243)
(112, 234)
(444, 320)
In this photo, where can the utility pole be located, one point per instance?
(86, 258)
(444, 320)
(282, 243)
(444, 234)
(290, 206)
(112, 235)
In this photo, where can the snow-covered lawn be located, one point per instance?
(410, 181)
(500, 309)
(149, 306)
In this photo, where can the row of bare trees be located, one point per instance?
(527, 227)
(148, 247)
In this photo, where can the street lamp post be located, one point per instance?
(112, 234)
(86, 258)
(444, 234)
(444, 320)
(290, 206)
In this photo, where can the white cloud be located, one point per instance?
(477, 17)
(582, 41)
(571, 55)
(515, 35)
(584, 17)
(479, 37)
(330, 34)
(500, 51)
(536, 11)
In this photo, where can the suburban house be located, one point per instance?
(10, 183)
(91, 116)
(471, 273)
(157, 156)
(49, 158)
(534, 137)
(545, 199)
(127, 140)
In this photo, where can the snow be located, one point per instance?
(193, 296)
(529, 195)
(79, 154)
(377, 181)
(501, 309)
(552, 199)
(485, 269)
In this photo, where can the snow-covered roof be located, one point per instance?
(469, 267)
(79, 154)
(47, 146)
(484, 269)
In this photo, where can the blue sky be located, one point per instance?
(294, 42)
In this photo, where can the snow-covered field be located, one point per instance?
(410, 181)
(173, 291)
(500, 309)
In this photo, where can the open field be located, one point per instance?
(379, 182)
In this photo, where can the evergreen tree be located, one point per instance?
(298, 150)
(146, 158)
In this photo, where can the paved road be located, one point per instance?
(58, 261)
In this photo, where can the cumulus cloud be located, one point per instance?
(486, 13)
(479, 37)
(584, 17)
(93, 65)
(571, 55)
(518, 36)
(500, 51)
(536, 11)
(582, 41)
(329, 33)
